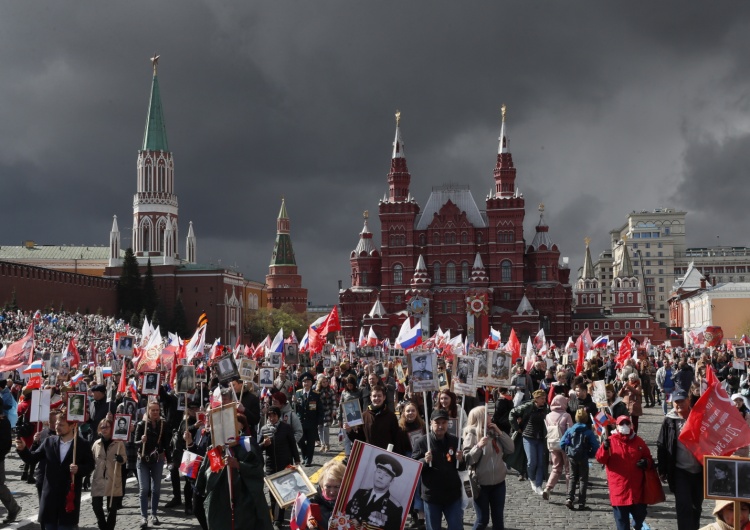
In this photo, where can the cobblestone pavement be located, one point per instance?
(523, 509)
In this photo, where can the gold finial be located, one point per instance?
(587, 240)
(155, 62)
(541, 207)
(398, 117)
(503, 110)
(366, 214)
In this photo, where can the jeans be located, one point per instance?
(149, 477)
(667, 395)
(623, 513)
(491, 500)
(579, 472)
(688, 495)
(535, 455)
(418, 504)
(324, 432)
(559, 466)
(454, 515)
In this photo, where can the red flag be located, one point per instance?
(92, 350)
(316, 336)
(215, 459)
(35, 383)
(626, 349)
(711, 378)
(72, 354)
(513, 346)
(715, 426)
(123, 378)
(20, 353)
(583, 344)
(248, 350)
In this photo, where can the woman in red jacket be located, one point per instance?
(625, 456)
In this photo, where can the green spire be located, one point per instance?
(155, 136)
(283, 254)
(282, 211)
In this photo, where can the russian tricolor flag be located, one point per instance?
(34, 368)
(277, 346)
(106, 371)
(494, 334)
(601, 341)
(77, 378)
(190, 464)
(409, 337)
(300, 512)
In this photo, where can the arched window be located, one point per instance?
(465, 272)
(606, 325)
(436, 274)
(596, 325)
(450, 238)
(630, 298)
(479, 237)
(505, 331)
(627, 325)
(435, 238)
(617, 325)
(464, 237)
(506, 271)
(543, 273)
(422, 240)
(450, 273)
(575, 326)
(363, 278)
(637, 324)
(621, 298)
(584, 299)
(398, 274)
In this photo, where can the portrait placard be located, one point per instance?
(151, 383)
(443, 383)
(483, 364)
(291, 354)
(273, 359)
(392, 477)
(125, 346)
(740, 352)
(464, 375)
(76, 406)
(122, 427)
(181, 402)
(726, 477)
(352, 412)
(201, 376)
(340, 343)
(499, 373)
(400, 375)
(55, 361)
(185, 378)
(285, 485)
(99, 376)
(225, 368)
(423, 365)
(599, 395)
(224, 425)
(247, 369)
(379, 369)
(266, 377)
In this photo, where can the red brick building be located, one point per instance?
(454, 266)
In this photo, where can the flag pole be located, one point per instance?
(428, 425)
(231, 484)
(460, 427)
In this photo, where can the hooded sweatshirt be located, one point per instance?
(558, 415)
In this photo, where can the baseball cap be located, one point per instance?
(679, 395)
(440, 414)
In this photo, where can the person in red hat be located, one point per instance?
(625, 456)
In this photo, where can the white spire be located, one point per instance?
(420, 264)
(114, 244)
(524, 306)
(190, 245)
(378, 310)
(503, 140)
(478, 262)
(168, 247)
(398, 143)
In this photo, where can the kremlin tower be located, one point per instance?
(283, 281)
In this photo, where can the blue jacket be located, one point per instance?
(590, 436)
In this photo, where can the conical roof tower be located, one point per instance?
(284, 282)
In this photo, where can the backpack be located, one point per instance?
(578, 449)
(554, 434)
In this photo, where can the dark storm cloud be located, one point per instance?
(297, 100)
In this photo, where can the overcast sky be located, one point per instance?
(612, 107)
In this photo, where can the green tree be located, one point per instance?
(150, 298)
(129, 287)
(135, 322)
(179, 319)
(268, 322)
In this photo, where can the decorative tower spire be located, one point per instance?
(365, 239)
(283, 280)
(114, 244)
(168, 246)
(421, 279)
(155, 200)
(365, 259)
(542, 232)
(505, 171)
(625, 269)
(479, 276)
(398, 177)
(282, 250)
(190, 245)
(588, 264)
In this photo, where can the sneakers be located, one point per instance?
(583, 508)
(12, 514)
(144, 522)
(173, 503)
(545, 495)
(569, 505)
(155, 520)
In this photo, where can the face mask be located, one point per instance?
(623, 429)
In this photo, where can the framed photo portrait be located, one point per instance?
(499, 368)
(340, 343)
(76, 406)
(743, 480)
(99, 376)
(226, 369)
(423, 365)
(125, 346)
(285, 485)
(483, 361)
(266, 377)
(327, 362)
(129, 407)
(443, 383)
(55, 361)
(273, 359)
(181, 402)
(464, 375)
(399, 372)
(151, 383)
(452, 427)
(720, 477)
(740, 352)
(52, 379)
(391, 477)
(185, 379)
(379, 369)
(291, 354)
(247, 369)
(224, 425)
(201, 375)
(352, 412)
(304, 360)
(122, 427)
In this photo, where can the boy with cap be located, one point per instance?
(677, 465)
(375, 506)
(441, 483)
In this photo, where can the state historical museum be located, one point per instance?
(455, 266)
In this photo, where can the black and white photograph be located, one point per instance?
(352, 412)
(452, 427)
(52, 379)
(379, 487)
(125, 346)
(340, 343)
(285, 485)
(129, 407)
(247, 369)
(181, 402)
(326, 362)
(379, 369)
(499, 375)
(721, 477)
(398, 368)
(151, 383)
(291, 354)
(273, 359)
(743, 479)
(740, 352)
(224, 425)
(483, 361)
(266, 377)
(76, 406)
(423, 366)
(464, 375)
(225, 368)
(55, 361)
(122, 427)
(443, 382)
(185, 378)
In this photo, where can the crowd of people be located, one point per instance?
(540, 427)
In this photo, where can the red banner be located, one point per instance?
(20, 353)
(715, 427)
(215, 460)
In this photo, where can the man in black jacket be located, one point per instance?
(6, 497)
(309, 409)
(280, 450)
(441, 483)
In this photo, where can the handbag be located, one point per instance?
(653, 492)
(475, 488)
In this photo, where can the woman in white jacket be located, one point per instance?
(484, 456)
